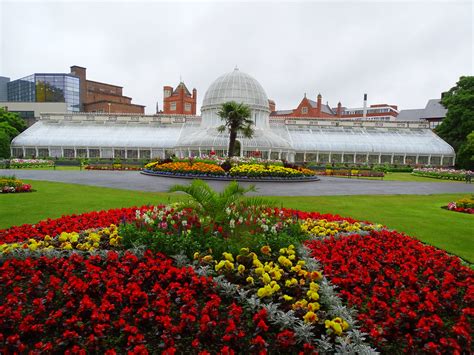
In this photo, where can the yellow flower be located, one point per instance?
(312, 295)
(287, 298)
(313, 306)
(207, 258)
(250, 280)
(241, 269)
(266, 250)
(220, 265)
(310, 317)
(63, 237)
(196, 255)
(228, 256)
(266, 278)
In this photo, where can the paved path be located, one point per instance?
(327, 186)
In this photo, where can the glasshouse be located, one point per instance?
(131, 136)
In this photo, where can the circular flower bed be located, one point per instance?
(10, 184)
(244, 281)
(229, 170)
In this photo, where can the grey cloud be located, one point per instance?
(400, 52)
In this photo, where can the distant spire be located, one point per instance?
(236, 67)
(157, 107)
(180, 79)
(305, 95)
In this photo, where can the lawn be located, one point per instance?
(417, 215)
(404, 177)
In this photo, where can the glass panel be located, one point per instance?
(435, 160)
(299, 157)
(336, 158)
(410, 159)
(361, 158)
(81, 153)
(132, 154)
(386, 159)
(43, 152)
(423, 159)
(94, 153)
(68, 153)
(119, 153)
(107, 153)
(348, 158)
(398, 159)
(145, 154)
(373, 159)
(30, 152)
(323, 158)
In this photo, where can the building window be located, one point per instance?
(167, 93)
(187, 107)
(304, 110)
(173, 106)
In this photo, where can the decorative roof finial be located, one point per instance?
(236, 67)
(305, 95)
(180, 79)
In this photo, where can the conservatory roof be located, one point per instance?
(82, 134)
(364, 140)
(299, 138)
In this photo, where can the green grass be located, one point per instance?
(420, 216)
(403, 177)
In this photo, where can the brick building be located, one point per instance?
(308, 108)
(179, 101)
(101, 97)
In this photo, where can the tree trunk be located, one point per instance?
(232, 138)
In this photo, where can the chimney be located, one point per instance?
(339, 109)
(271, 105)
(193, 106)
(364, 112)
(319, 106)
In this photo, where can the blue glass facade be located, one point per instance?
(46, 88)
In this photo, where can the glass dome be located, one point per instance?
(236, 86)
(241, 88)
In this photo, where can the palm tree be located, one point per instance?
(211, 204)
(236, 119)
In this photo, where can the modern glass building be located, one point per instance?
(46, 88)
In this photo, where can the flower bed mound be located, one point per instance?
(117, 304)
(10, 184)
(409, 295)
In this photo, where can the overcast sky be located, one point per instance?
(401, 53)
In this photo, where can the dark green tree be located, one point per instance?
(13, 119)
(465, 156)
(4, 145)
(236, 119)
(459, 121)
(11, 131)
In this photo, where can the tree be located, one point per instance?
(465, 156)
(11, 124)
(13, 119)
(459, 121)
(236, 119)
(4, 145)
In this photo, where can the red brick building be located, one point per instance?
(308, 108)
(179, 101)
(101, 97)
